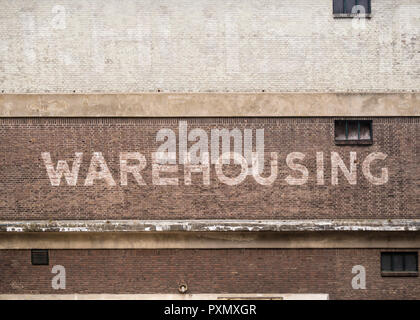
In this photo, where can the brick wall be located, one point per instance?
(26, 191)
(206, 271)
(205, 46)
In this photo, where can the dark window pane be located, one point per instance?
(386, 262)
(39, 257)
(365, 130)
(397, 262)
(338, 6)
(349, 4)
(365, 4)
(411, 262)
(353, 131)
(340, 130)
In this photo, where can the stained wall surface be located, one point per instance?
(27, 191)
(327, 271)
(206, 46)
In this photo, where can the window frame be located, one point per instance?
(403, 273)
(344, 14)
(357, 141)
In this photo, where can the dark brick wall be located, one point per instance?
(26, 193)
(207, 271)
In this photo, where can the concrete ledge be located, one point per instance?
(352, 15)
(210, 105)
(385, 225)
(168, 296)
(209, 234)
(209, 240)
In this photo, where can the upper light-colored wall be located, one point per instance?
(206, 45)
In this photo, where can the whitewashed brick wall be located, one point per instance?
(206, 46)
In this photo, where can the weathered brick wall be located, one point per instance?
(206, 271)
(26, 191)
(220, 45)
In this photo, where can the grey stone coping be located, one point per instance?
(383, 225)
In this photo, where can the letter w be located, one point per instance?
(62, 168)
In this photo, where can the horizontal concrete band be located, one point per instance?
(158, 296)
(210, 240)
(210, 234)
(210, 105)
(387, 225)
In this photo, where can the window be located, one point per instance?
(39, 257)
(351, 7)
(353, 131)
(399, 264)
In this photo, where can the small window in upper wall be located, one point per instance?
(351, 8)
(353, 131)
(39, 257)
(399, 263)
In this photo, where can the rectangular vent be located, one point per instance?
(39, 257)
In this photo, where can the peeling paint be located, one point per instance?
(384, 225)
(14, 229)
(73, 229)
